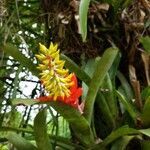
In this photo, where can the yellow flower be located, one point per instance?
(56, 79)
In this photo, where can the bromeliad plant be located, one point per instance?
(108, 111)
(111, 116)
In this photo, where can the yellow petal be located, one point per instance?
(67, 92)
(46, 62)
(51, 73)
(56, 59)
(43, 75)
(55, 54)
(55, 89)
(55, 97)
(57, 79)
(62, 71)
(53, 47)
(41, 67)
(50, 86)
(54, 82)
(60, 64)
(62, 94)
(65, 80)
(43, 49)
(41, 57)
(69, 84)
(64, 88)
(46, 79)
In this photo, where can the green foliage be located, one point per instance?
(103, 65)
(145, 145)
(125, 86)
(107, 116)
(115, 135)
(106, 112)
(17, 55)
(81, 127)
(110, 96)
(83, 11)
(40, 131)
(122, 131)
(122, 143)
(145, 93)
(11, 120)
(146, 43)
(89, 69)
(19, 142)
(76, 69)
(106, 103)
(130, 108)
(145, 113)
(115, 7)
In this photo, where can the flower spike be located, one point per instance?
(56, 79)
(60, 85)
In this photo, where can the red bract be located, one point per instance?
(76, 92)
(73, 99)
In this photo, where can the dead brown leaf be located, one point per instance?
(146, 61)
(136, 87)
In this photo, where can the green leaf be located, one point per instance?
(145, 93)
(126, 3)
(20, 101)
(10, 128)
(65, 143)
(145, 132)
(105, 111)
(114, 68)
(145, 145)
(80, 127)
(110, 96)
(40, 131)
(126, 86)
(146, 43)
(89, 68)
(17, 55)
(73, 67)
(146, 112)
(122, 143)
(116, 5)
(15, 82)
(83, 12)
(19, 142)
(103, 65)
(122, 131)
(78, 123)
(131, 110)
